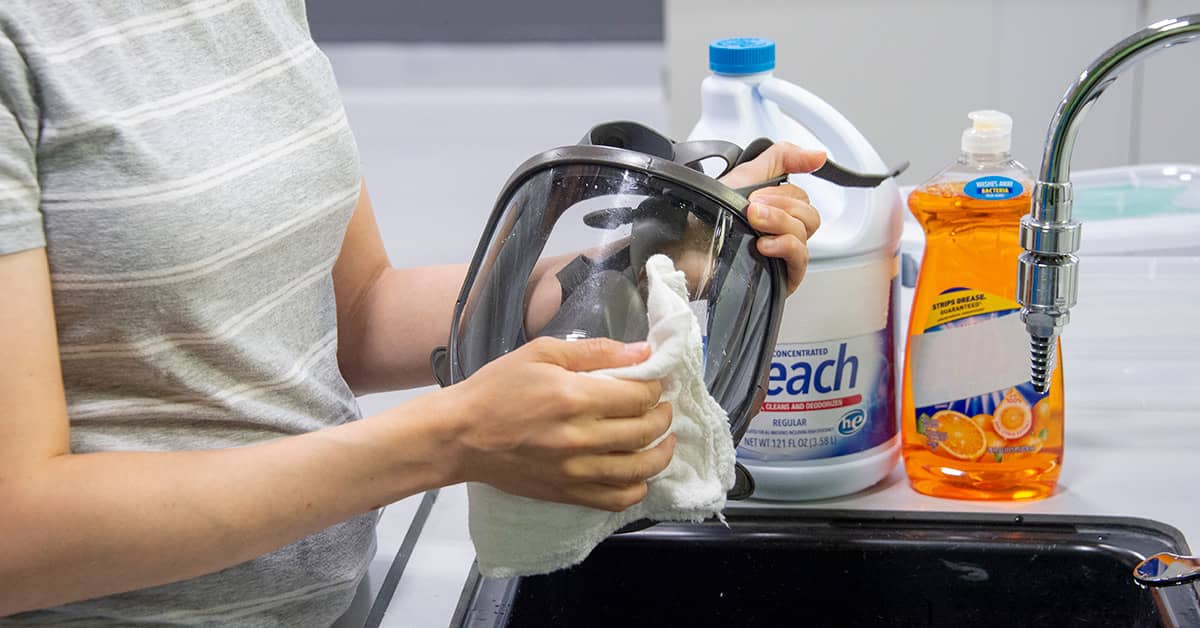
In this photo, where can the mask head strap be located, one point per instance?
(639, 138)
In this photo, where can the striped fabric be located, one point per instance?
(189, 169)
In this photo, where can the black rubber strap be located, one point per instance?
(693, 152)
(573, 274)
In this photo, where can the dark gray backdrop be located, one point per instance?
(464, 21)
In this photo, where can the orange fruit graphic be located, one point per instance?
(1043, 415)
(964, 439)
(984, 421)
(1013, 417)
(995, 446)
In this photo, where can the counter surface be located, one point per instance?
(1125, 463)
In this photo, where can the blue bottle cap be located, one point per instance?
(741, 55)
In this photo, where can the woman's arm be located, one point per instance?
(77, 526)
(389, 319)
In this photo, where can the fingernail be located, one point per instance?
(637, 348)
(761, 212)
(767, 242)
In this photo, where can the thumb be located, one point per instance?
(590, 354)
(781, 158)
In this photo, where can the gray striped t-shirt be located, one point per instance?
(189, 169)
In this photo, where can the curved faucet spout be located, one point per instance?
(1046, 272)
(1060, 137)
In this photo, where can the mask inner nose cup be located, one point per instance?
(605, 304)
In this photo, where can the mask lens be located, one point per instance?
(739, 317)
(566, 259)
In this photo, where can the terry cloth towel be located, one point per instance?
(517, 536)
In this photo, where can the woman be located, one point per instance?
(194, 289)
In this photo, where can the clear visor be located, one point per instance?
(566, 259)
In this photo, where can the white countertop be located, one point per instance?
(1139, 463)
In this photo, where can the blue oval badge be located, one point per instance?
(993, 188)
(852, 422)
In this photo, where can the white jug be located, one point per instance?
(828, 427)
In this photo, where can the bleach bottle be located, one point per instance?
(828, 426)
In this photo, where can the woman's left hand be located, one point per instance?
(781, 211)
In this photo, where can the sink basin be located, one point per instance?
(784, 567)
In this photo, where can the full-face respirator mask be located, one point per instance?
(563, 255)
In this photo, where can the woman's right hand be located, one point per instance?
(533, 425)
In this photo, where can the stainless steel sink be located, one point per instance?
(788, 567)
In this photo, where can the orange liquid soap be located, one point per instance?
(972, 425)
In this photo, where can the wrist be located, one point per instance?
(412, 447)
(446, 411)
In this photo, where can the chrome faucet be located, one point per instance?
(1046, 272)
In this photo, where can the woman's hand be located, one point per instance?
(782, 211)
(534, 426)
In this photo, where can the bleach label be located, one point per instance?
(826, 399)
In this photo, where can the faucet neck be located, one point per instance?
(1064, 126)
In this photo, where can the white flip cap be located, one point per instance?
(990, 132)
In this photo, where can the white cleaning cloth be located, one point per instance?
(516, 536)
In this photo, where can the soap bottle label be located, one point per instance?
(825, 399)
(993, 188)
(971, 389)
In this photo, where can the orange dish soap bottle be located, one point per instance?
(973, 427)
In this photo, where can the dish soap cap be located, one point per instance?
(990, 133)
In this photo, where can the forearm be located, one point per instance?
(79, 526)
(391, 319)
(407, 313)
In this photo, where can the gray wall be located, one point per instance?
(458, 21)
